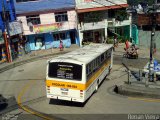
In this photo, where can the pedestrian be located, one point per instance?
(127, 45)
(115, 42)
(61, 45)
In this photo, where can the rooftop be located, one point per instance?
(42, 5)
(101, 4)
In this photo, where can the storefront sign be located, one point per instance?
(47, 27)
(15, 28)
(1, 38)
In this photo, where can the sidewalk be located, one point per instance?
(136, 88)
(143, 52)
(35, 55)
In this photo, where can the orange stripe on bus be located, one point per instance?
(76, 86)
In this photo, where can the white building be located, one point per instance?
(98, 18)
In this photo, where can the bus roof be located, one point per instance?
(84, 54)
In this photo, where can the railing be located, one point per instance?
(92, 25)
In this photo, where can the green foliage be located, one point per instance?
(136, 2)
(110, 40)
(94, 16)
(122, 14)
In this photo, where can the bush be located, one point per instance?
(110, 40)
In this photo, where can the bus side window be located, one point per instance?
(109, 53)
(94, 62)
(106, 54)
(90, 68)
(87, 70)
(99, 60)
(102, 57)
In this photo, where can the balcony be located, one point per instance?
(112, 22)
(92, 25)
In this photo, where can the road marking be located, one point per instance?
(144, 99)
(25, 88)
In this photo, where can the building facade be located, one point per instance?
(144, 23)
(99, 20)
(45, 23)
(10, 30)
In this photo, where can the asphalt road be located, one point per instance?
(26, 86)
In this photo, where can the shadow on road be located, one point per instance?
(66, 103)
(9, 105)
(3, 106)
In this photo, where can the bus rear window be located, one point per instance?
(65, 71)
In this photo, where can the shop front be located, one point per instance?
(49, 36)
(15, 40)
(95, 36)
(43, 41)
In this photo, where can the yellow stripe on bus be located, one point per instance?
(77, 86)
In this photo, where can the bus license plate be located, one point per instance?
(64, 89)
(64, 93)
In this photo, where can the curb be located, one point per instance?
(3, 69)
(137, 91)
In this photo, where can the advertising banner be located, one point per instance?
(47, 27)
(15, 28)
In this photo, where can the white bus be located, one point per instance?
(75, 76)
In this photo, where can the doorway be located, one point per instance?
(97, 37)
(72, 37)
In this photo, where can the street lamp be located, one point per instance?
(153, 20)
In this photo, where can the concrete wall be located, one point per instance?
(145, 38)
(49, 19)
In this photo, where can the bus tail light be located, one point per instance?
(81, 93)
(48, 89)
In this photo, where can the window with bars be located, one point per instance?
(61, 17)
(34, 19)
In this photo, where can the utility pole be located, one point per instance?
(6, 39)
(153, 19)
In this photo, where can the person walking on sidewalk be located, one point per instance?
(61, 45)
(115, 42)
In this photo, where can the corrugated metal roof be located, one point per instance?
(100, 3)
(42, 5)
